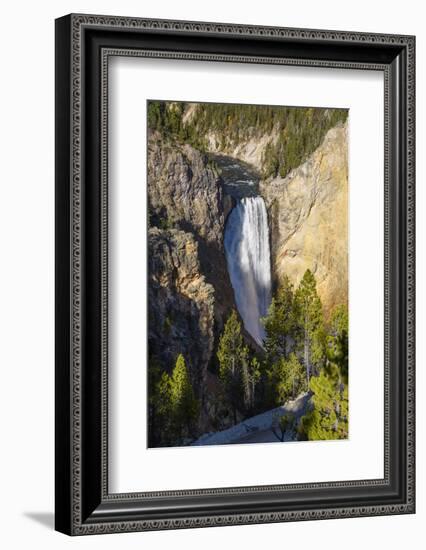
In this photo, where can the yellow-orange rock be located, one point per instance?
(308, 212)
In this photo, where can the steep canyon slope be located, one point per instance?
(307, 209)
(190, 294)
(304, 184)
(308, 212)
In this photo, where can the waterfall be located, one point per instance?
(249, 265)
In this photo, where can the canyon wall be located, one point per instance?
(190, 294)
(181, 303)
(308, 211)
(302, 160)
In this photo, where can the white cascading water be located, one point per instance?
(249, 264)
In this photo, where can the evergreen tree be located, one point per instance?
(310, 320)
(172, 406)
(328, 419)
(293, 372)
(286, 380)
(319, 345)
(154, 429)
(184, 406)
(250, 378)
(299, 130)
(337, 341)
(154, 115)
(161, 429)
(164, 414)
(280, 323)
(233, 357)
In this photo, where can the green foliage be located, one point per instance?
(301, 353)
(310, 332)
(173, 409)
(250, 376)
(285, 380)
(164, 392)
(166, 118)
(338, 340)
(231, 347)
(184, 406)
(299, 130)
(291, 380)
(298, 344)
(270, 161)
(287, 422)
(295, 334)
(318, 348)
(165, 223)
(155, 115)
(239, 369)
(283, 424)
(328, 418)
(280, 323)
(160, 430)
(233, 356)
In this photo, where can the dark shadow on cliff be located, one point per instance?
(175, 330)
(214, 268)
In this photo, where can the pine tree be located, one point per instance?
(164, 414)
(328, 418)
(250, 377)
(154, 115)
(233, 357)
(294, 373)
(280, 323)
(337, 341)
(154, 428)
(300, 130)
(184, 406)
(290, 379)
(284, 380)
(310, 319)
(319, 345)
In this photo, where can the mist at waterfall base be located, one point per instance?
(249, 264)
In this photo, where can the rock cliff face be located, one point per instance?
(184, 189)
(181, 302)
(190, 294)
(307, 208)
(308, 212)
(189, 288)
(250, 151)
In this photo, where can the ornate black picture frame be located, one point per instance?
(84, 44)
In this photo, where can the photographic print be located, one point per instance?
(247, 273)
(202, 260)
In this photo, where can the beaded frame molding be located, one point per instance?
(84, 44)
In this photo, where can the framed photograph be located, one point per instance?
(234, 274)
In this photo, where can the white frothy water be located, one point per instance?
(249, 264)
